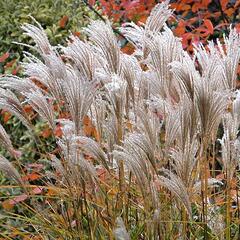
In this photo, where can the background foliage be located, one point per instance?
(193, 20)
(59, 18)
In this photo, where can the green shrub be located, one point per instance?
(50, 14)
(47, 12)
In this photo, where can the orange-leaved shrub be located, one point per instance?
(193, 21)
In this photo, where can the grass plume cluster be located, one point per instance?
(158, 165)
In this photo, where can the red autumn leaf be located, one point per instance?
(205, 3)
(224, 4)
(15, 70)
(192, 20)
(116, 7)
(129, 5)
(63, 21)
(9, 64)
(185, 38)
(209, 25)
(196, 41)
(116, 17)
(4, 57)
(237, 27)
(9, 204)
(220, 176)
(105, 6)
(18, 199)
(237, 3)
(37, 190)
(141, 9)
(92, 2)
(101, 172)
(221, 25)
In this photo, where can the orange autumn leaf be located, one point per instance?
(89, 129)
(96, 134)
(4, 57)
(63, 21)
(180, 29)
(14, 232)
(229, 12)
(233, 183)
(31, 237)
(46, 133)
(220, 200)
(52, 192)
(129, 126)
(58, 131)
(128, 49)
(143, 19)
(77, 34)
(86, 120)
(6, 117)
(196, 7)
(31, 177)
(28, 108)
(7, 205)
(184, 7)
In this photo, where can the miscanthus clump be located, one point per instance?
(157, 166)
